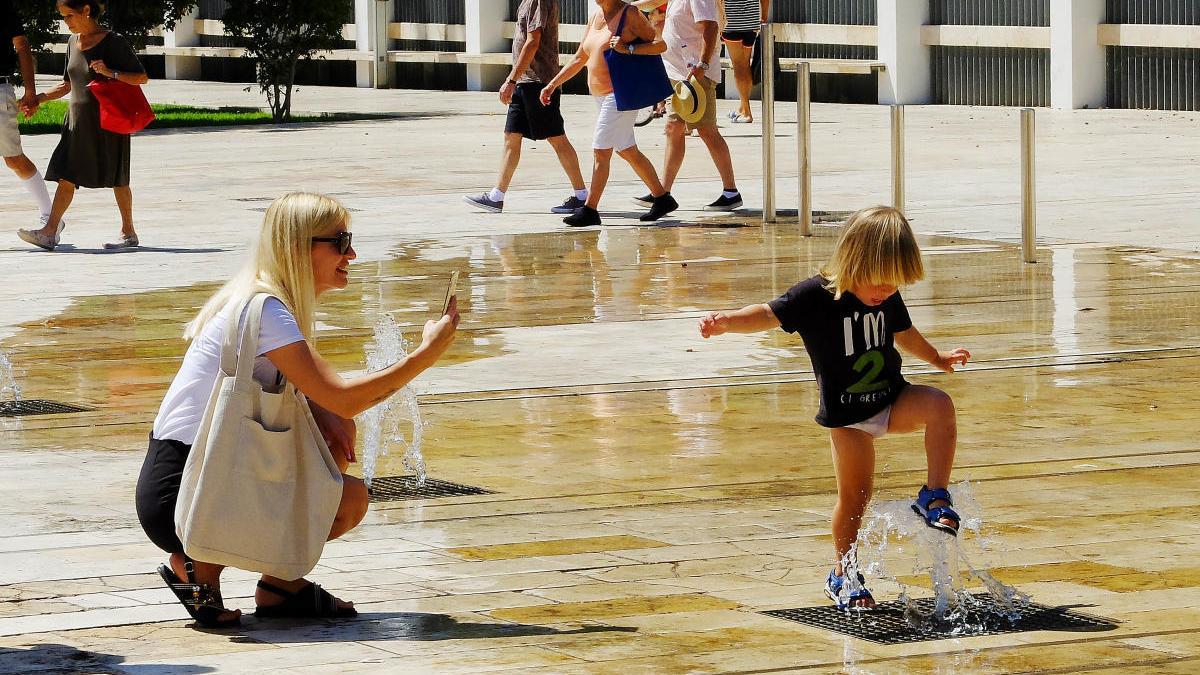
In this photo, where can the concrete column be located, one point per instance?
(371, 21)
(485, 34)
(364, 41)
(1078, 74)
(184, 35)
(908, 72)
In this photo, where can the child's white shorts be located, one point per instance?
(876, 425)
(614, 128)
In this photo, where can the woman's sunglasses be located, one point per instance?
(342, 241)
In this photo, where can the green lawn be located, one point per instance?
(50, 116)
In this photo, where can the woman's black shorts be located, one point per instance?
(528, 117)
(158, 489)
(746, 37)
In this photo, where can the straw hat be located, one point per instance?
(648, 5)
(689, 100)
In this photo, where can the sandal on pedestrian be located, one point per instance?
(833, 589)
(40, 240)
(933, 516)
(310, 602)
(201, 601)
(126, 241)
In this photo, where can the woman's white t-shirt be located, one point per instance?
(182, 410)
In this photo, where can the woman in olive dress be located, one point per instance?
(88, 156)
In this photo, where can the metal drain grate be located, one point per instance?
(37, 407)
(400, 488)
(887, 623)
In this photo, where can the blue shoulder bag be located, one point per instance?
(639, 81)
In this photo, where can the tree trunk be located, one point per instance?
(291, 81)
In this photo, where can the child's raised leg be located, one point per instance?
(931, 409)
(854, 467)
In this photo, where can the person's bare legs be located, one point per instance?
(351, 510)
(124, 197)
(854, 467)
(204, 573)
(676, 148)
(63, 197)
(921, 407)
(21, 165)
(719, 150)
(739, 56)
(511, 158)
(644, 169)
(601, 166)
(569, 159)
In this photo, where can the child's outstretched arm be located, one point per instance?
(914, 343)
(749, 319)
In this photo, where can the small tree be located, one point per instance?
(135, 19)
(278, 34)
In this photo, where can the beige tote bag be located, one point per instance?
(260, 488)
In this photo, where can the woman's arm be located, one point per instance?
(318, 381)
(914, 343)
(639, 28)
(576, 64)
(56, 92)
(126, 77)
(749, 319)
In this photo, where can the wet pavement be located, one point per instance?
(653, 492)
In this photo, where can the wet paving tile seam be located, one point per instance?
(886, 480)
(801, 376)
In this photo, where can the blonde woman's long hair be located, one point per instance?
(280, 261)
(877, 247)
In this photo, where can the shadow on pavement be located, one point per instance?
(410, 626)
(56, 658)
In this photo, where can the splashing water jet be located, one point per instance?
(8, 380)
(383, 423)
(942, 558)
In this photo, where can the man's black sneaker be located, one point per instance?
(724, 203)
(646, 201)
(583, 217)
(482, 202)
(660, 207)
(568, 206)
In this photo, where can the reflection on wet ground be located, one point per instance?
(649, 479)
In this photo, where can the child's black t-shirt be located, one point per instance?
(850, 344)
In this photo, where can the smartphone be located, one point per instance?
(451, 289)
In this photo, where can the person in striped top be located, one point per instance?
(742, 21)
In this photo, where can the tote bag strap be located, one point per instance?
(237, 356)
(621, 24)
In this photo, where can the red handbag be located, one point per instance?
(123, 107)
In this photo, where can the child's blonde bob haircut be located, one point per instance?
(280, 261)
(877, 248)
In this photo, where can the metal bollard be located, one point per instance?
(768, 122)
(898, 157)
(804, 145)
(1028, 185)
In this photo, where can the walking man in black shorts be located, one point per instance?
(535, 62)
(14, 53)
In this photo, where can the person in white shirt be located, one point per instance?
(692, 33)
(304, 250)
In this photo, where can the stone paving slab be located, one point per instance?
(648, 505)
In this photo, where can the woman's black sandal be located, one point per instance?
(310, 602)
(201, 601)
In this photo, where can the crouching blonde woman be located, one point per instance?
(303, 250)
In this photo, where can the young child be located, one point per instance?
(848, 316)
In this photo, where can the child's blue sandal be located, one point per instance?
(833, 589)
(933, 516)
